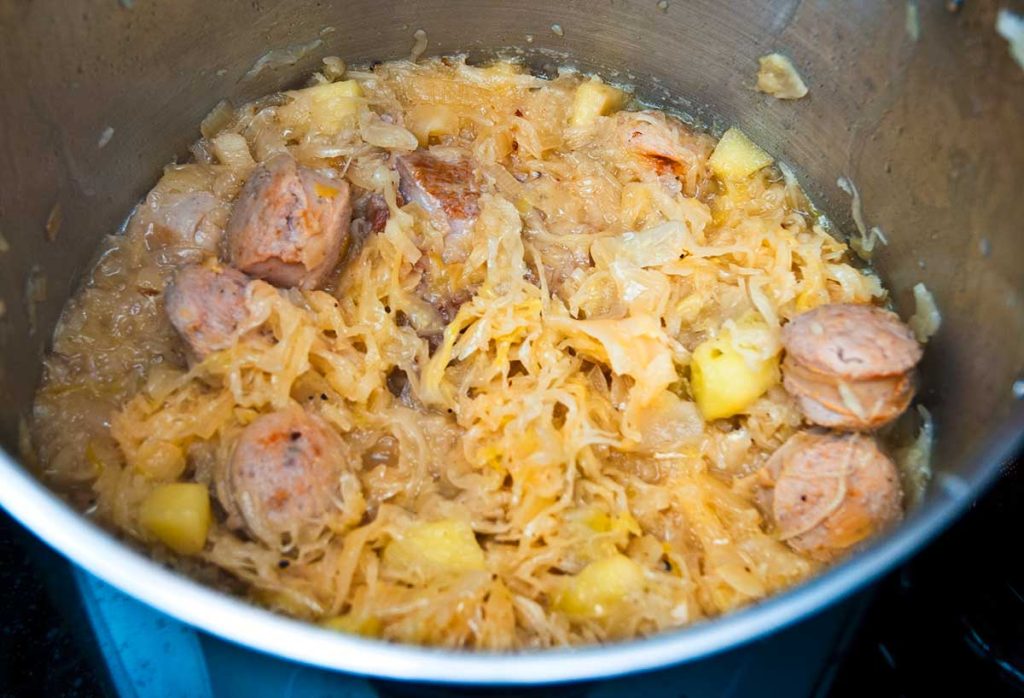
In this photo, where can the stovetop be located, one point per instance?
(951, 618)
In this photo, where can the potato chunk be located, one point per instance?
(322, 108)
(594, 99)
(178, 515)
(353, 624)
(438, 547)
(725, 382)
(600, 586)
(736, 157)
(159, 459)
(778, 77)
(429, 120)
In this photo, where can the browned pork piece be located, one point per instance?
(282, 482)
(206, 306)
(289, 225)
(369, 215)
(850, 366)
(444, 187)
(827, 492)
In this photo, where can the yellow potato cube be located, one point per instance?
(438, 547)
(353, 624)
(503, 69)
(426, 120)
(602, 522)
(600, 586)
(594, 99)
(736, 157)
(724, 382)
(160, 460)
(232, 150)
(322, 108)
(636, 205)
(178, 515)
(779, 78)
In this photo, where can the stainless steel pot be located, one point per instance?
(925, 117)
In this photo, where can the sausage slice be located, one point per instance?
(850, 366)
(862, 405)
(281, 483)
(827, 492)
(444, 188)
(851, 340)
(206, 306)
(289, 225)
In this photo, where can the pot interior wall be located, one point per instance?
(929, 128)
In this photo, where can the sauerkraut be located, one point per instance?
(529, 470)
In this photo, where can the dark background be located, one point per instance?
(950, 622)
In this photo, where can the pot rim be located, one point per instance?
(103, 555)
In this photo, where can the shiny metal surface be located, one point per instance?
(930, 130)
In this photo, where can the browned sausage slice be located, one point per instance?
(207, 306)
(827, 492)
(445, 189)
(289, 225)
(850, 366)
(854, 405)
(851, 340)
(282, 481)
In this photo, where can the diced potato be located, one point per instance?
(353, 624)
(178, 515)
(599, 586)
(689, 308)
(503, 69)
(636, 204)
(602, 522)
(724, 382)
(736, 157)
(324, 108)
(594, 99)
(779, 78)
(284, 601)
(232, 150)
(439, 547)
(160, 460)
(426, 120)
(811, 298)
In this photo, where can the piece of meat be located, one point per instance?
(851, 340)
(206, 306)
(445, 188)
(282, 482)
(668, 147)
(377, 213)
(827, 492)
(652, 135)
(857, 405)
(289, 225)
(370, 215)
(439, 290)
(850, 366)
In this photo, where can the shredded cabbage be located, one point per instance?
(547, 428)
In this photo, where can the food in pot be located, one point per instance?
(459, 355)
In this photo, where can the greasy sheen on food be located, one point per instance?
(458, 355)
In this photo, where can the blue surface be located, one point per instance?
(149, 654)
